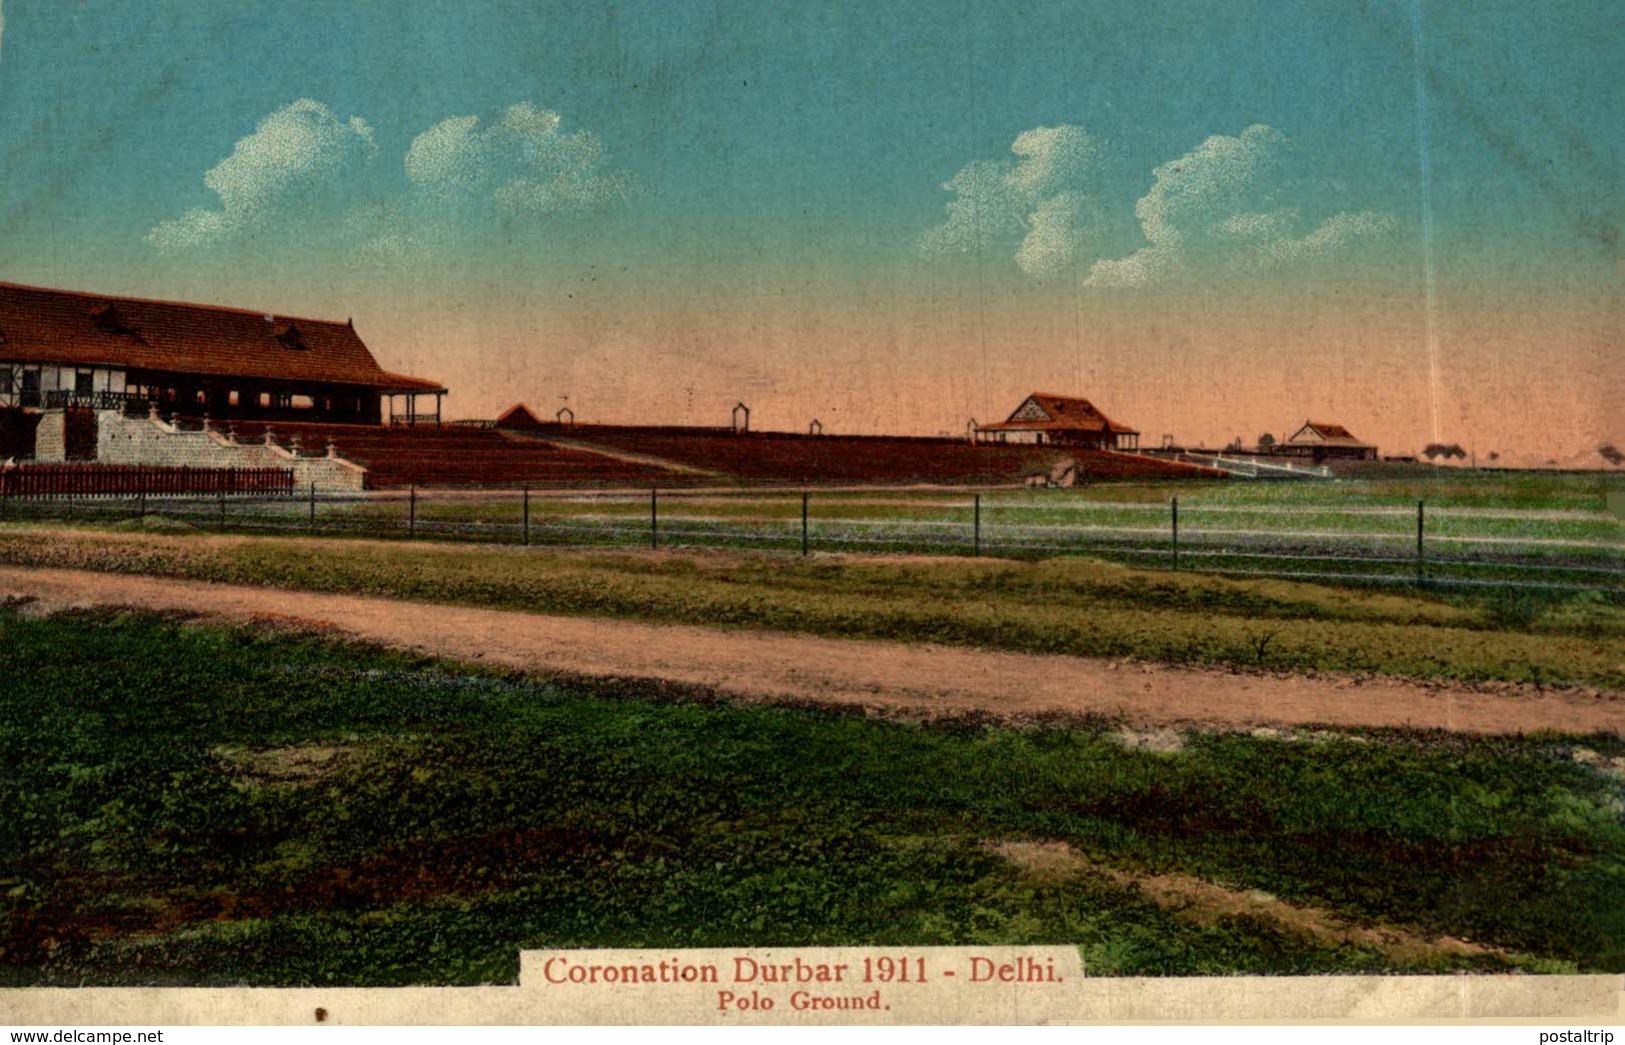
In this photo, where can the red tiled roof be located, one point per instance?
(41, 325)
(1329, 433)
(518, 416)
(1066, 414)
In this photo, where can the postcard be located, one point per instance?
(825, 513)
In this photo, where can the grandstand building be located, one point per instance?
(70, 351)
(1060, 421)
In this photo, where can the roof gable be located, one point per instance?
(1031, 410)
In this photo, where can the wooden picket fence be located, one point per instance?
(50, 481)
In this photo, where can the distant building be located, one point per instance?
(1060, 421)
(1320, 441)
(518, 416)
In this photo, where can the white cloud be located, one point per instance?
(448, 156)
(1145, 267)
(1053, 158)
(303, 166)
(463, 174)
(298, 149)
(1056, 231)
(1045, 202)
(389, 232)
(1332, 236)
(1226, 204)
(983, 209)
(522, 162)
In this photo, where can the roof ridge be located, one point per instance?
(88, 295)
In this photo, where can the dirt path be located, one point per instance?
(766, 665)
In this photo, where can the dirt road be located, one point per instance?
(929, 679)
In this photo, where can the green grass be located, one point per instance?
(147, 834)
(1065, 605)
(1439, 487)
(1481, 528)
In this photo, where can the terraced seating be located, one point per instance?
(448, 457)
(858, 460)
(483, 457)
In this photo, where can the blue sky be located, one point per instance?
(801, 150)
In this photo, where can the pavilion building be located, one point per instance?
(1059, 421)
(1320, 440)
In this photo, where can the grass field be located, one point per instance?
(184, 804)
(1063, 605)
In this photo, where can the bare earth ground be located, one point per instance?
(887, 676)
(1196, 900)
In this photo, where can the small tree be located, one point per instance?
(1266, 443)
(1611, 454)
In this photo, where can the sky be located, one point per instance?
(1213, 220)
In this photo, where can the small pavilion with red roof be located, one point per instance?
(1059, 421)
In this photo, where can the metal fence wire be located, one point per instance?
(1380, 545)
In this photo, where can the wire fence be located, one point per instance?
(1362, 544)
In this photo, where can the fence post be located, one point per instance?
(412, 511)
(804, 496)
(654, 518)
(976, 524)
(1420, 565)
(1175, 506)
(312, 505)
(141, 493)
(527, 516)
